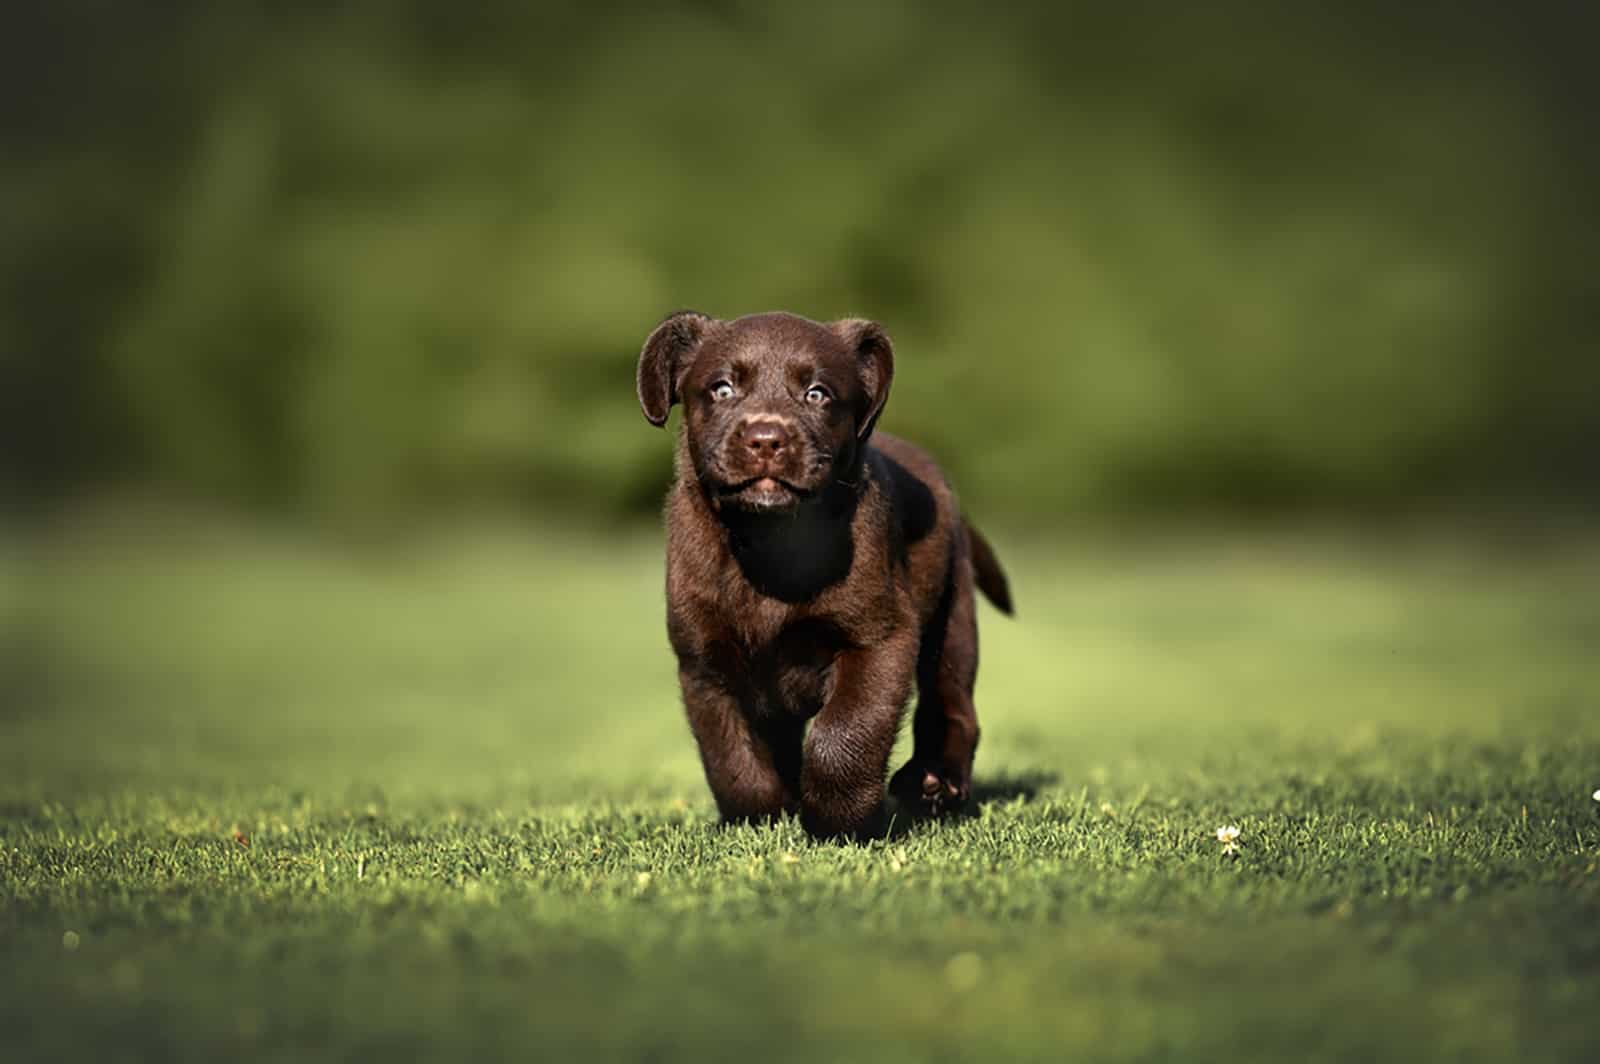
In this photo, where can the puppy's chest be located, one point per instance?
(775, 658)
(781, 657)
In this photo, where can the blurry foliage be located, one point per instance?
(1143, 257)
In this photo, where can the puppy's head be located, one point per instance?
(775, 407)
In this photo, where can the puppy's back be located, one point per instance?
(927, 508)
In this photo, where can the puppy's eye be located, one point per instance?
(817, 394)
(721, 390)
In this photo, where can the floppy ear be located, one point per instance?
(663, 355)
(875, 357)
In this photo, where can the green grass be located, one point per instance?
(476, 826)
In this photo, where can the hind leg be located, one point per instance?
(938, 778)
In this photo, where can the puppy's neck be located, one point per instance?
(794, 555)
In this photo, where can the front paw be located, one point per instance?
(930, 789)
(825, 822)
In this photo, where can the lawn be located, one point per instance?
(264, 797)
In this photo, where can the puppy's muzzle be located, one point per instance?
(767, 443)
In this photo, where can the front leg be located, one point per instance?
(847, 750)
(738, 761)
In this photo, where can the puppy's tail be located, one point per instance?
(991, 578)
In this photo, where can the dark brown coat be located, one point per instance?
(816, 571)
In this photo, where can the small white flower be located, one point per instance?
(1229, 837)
(1597, 796)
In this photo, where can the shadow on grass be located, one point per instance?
(995, 790)
(1001, 789)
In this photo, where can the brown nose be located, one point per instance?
(766, 438)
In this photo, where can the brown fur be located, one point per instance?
(816, 572)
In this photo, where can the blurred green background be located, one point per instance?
(1136, 258)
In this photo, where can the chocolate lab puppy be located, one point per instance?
(816, 570)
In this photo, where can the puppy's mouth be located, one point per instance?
(763, 493)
